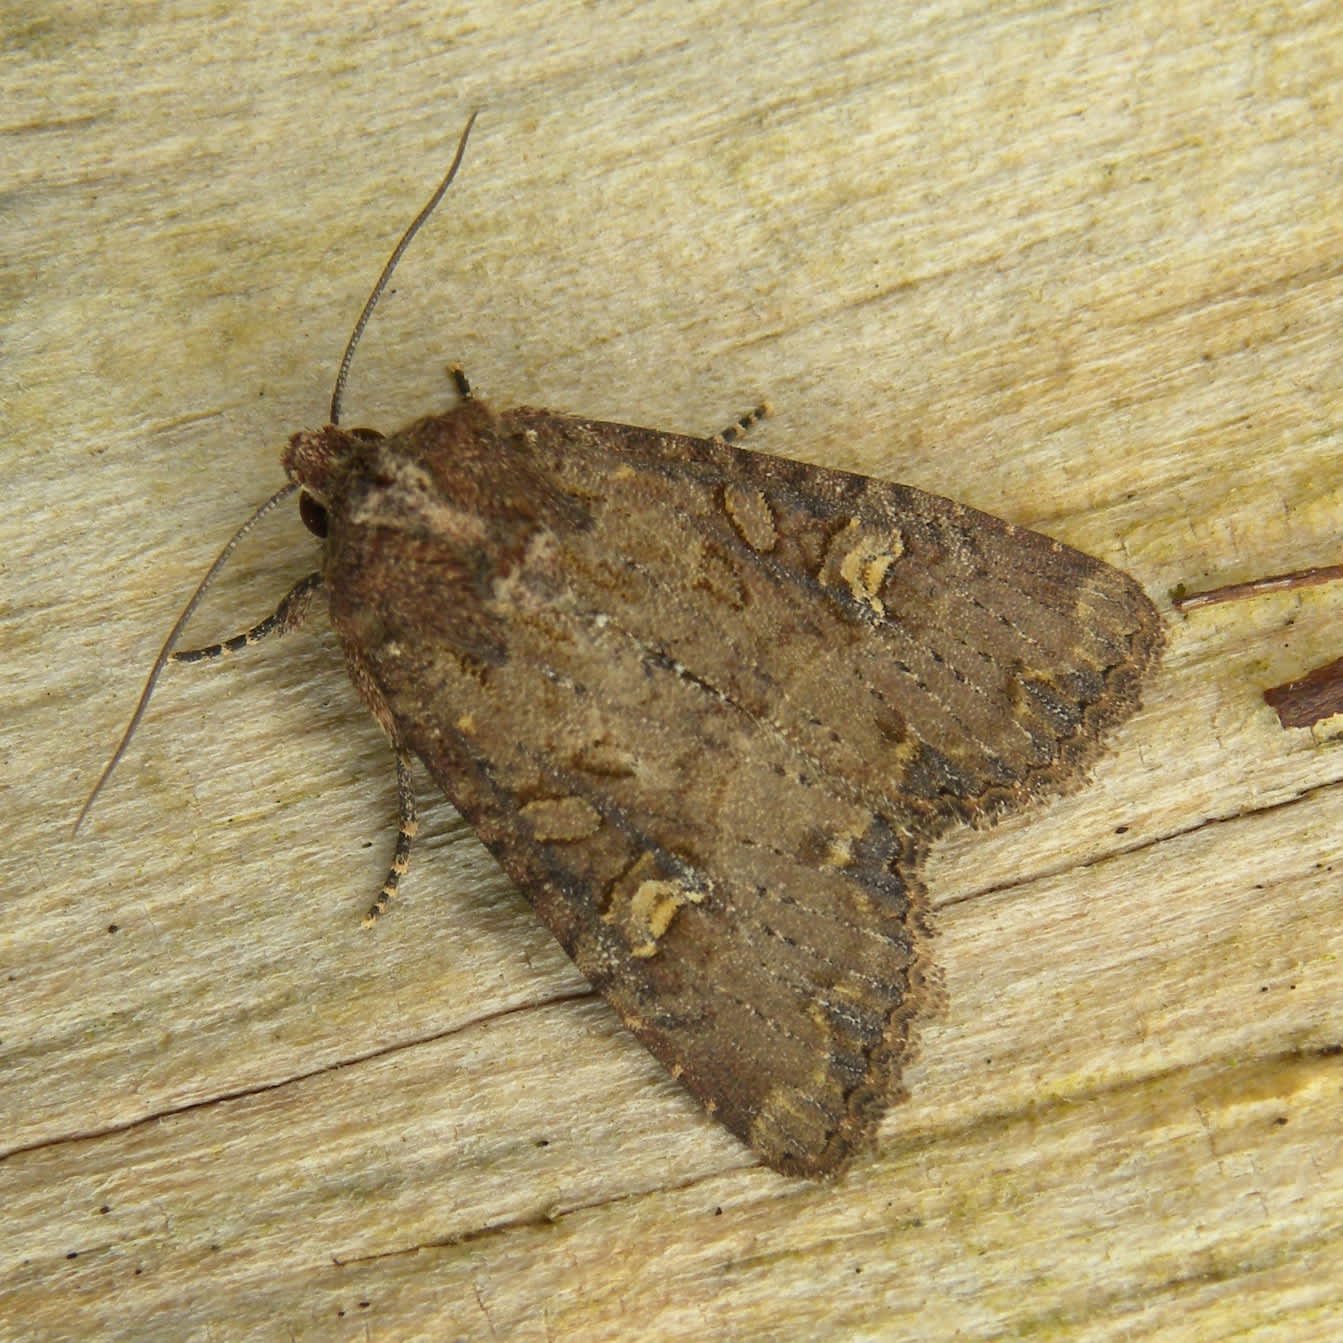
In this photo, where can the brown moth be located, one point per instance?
(709, 709)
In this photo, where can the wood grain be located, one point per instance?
(1082, 268)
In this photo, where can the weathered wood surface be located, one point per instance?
(1080, 267)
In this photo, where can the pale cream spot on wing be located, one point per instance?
(839, 853)
(605, 758)
(752, 516)
(562, 819)
(641, 906)
(860, 559)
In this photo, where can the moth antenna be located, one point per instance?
(372, 302)
(168, 644)
(280, 495)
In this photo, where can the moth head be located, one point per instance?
(316, 460)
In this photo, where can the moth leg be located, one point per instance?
(287, 616)
(738, 427)
(407, 826)
(458, 376)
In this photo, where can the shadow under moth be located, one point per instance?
(709, 709)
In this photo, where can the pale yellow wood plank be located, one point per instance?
(1081, 267)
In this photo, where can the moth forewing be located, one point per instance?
(709, 708)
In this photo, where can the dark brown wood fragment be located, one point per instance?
(1308, 699)
(1257, 587)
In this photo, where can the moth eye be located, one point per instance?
(312, 513)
